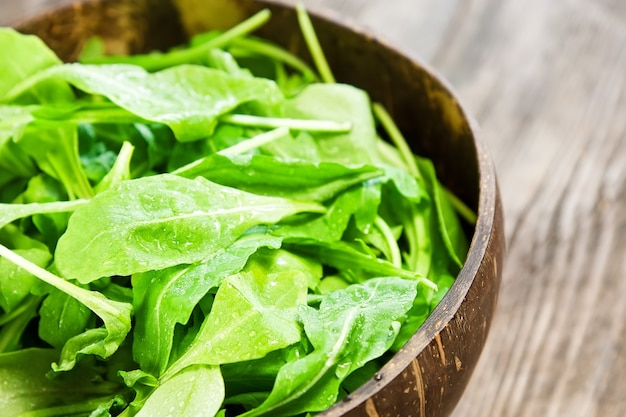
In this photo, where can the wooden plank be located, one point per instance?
(547, 82)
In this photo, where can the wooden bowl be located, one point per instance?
(428, 376)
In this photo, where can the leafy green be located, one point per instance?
(11, 212)
(62, 317)
(166, 297)
(156, 222)
(338, 102)
(55, 150)
(207, 231)
(197, 391)
(267, 175)
(254, 305)
(102, 341)
(25, 387)
(188, 98)
(351, 327)
(23, 56)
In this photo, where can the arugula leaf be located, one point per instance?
(26, 388)
(253, 314)
(23, 56)
(333, 224)
(11, 212)
(351, 327)
(197, 391)
(342, 103)
(62, 317)
(16, 283)
(156, 222)
(55, 150)
(166, 297)
(115, 315)
(268, 175)
(187, 98)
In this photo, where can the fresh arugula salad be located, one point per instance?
(216, 230)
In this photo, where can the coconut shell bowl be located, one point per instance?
(428, 375)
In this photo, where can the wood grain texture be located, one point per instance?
(546, 80)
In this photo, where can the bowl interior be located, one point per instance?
(428, 376)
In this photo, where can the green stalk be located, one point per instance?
(158, 61)
(420, 250)
(415, 226)
(461, 208)
(110, 116)
(24, 306)
(295, 124)
(255, 142)
(93, 300)
(120, 170)
(258, 46)
(313, 43)
(241, 147)
(11, 332)
(81, 409)
(397, 138)
(11, 212)
(392, 243)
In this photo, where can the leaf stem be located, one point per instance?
(464, 211)
(258, 46)
(397, 138)
(392, 243)
(12, 331)
(241, 147)
(93, 300)
(310, 37)
(255, 142)
(157, 61)
(11, 212)
(82, 408)
(24, 306)
(296, 124)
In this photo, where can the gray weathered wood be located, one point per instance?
(546, 80)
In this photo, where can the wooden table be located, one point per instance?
(547, 82)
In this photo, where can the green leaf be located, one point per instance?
(198, 50)
(156, 222)
(332, 225)
(62, 317)
(15, 283)
(340, 103)
(254, 313)
(268, 175)
(11, 212)
(352, 327)
(198, 391)
(26, 388)
(55, 150)
(115, 315)
(351, 259)
(23, 56)
(448, 222)
(166, 297)
(187, 98)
